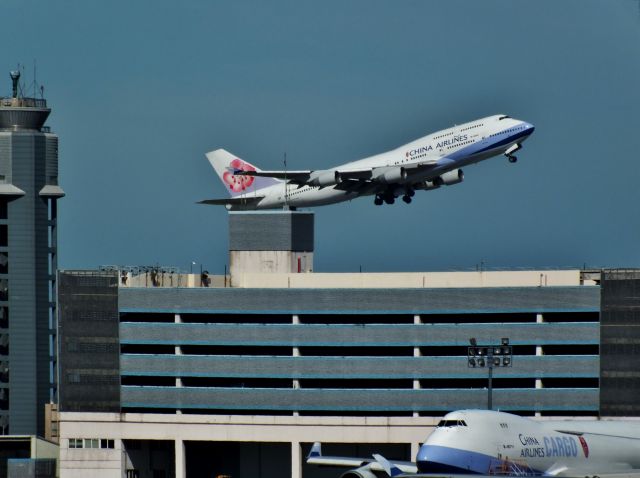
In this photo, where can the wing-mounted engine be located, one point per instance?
(324, 178)
(389, 174)
(362, 472)
(450, 177)
(427, 185)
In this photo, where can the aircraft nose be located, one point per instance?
(529, 128)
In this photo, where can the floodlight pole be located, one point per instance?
(489, 356)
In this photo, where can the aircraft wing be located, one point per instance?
(316, 457)
(603, 471)
(241, 201)
(299, 177)
(307, 176)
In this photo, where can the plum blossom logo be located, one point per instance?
(238, 183)
(585, 447)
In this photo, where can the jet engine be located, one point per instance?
(389, 175)
(427, 185)
(362, 472)
(324, 178)
(450, 177)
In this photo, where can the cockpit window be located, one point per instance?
(503, 117)
(451, 423)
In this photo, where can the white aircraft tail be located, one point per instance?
(226, 164)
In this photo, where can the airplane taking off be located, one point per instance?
(489, 443)
(426, 163)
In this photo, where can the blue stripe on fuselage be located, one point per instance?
(442, 459)
(481, 146)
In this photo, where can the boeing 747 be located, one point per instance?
(489, 443)
(424, 164)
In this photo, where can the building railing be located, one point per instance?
(23, 102)
(165, 277)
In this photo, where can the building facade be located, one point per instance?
(173, 374)
(28, 260)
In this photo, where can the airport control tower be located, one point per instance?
(28, 195)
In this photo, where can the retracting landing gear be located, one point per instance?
(509, 153)
(406, 198)
(378, 200)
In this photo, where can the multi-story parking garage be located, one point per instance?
(238, 380)
(169, 374)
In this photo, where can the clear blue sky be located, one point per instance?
(141, 90)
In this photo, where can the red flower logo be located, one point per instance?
(238, 183)
(585, 447)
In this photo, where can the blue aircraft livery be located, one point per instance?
(426, 163)
(489, 444)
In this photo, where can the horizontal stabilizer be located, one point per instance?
(296, 177)
(233, 201)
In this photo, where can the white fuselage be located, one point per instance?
(446, 150)
(485, 442)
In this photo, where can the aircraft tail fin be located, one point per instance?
(226, 164)
(316, 450)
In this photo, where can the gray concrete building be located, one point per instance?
(28, 209)
(200, 380)
(170, 374)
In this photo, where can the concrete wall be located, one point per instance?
(288, 430)
(377, 301)
(282, 264)
(96, 463)
(400, 280)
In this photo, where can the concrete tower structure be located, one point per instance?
(28, 194)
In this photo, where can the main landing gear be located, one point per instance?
(382, 198)
(512, 159)
(390, 198)
(408, 195)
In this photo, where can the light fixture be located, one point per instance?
(490, 357)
